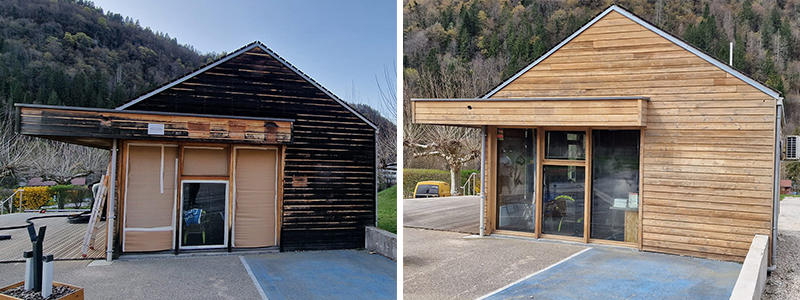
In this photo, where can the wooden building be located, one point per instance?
(624, 134)
(786, 186)
(245, 152)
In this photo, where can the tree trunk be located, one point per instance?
(455, 179)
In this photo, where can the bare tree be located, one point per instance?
(456, 145)
(387, 141)
(15, 153)
(61, 162)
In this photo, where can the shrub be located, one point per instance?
(62, 193)
(33, 197)
(70, 194)
(412, 176)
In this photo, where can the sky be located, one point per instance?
(344, 44)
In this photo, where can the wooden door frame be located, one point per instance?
(491, 182)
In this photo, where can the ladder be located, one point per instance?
(97, 210)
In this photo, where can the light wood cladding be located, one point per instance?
(255, 176)
(205, 161)
(708, 141)
(149, 208)
(539, 112)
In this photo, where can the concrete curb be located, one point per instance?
(382, 242)
(753, 277)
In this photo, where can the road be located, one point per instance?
(458, 214)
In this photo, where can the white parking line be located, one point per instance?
(253, 277)
(531, 275)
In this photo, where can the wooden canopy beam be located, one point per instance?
(97, 127)
(588, 111)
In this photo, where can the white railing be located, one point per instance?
(472, 182)
(8, 200)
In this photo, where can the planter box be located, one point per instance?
(76, 295)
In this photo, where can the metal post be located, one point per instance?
(37, 241)
(20, 200)
(47, 276)
(28, 255)
(111, 215)
(731, 56)
(483, 179)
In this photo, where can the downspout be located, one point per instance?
(483, 179)
(110, 216)
(377, 178)
(776, 209)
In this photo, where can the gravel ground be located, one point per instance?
(784, 283)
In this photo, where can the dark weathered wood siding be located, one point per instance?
(73, 123)
(329, 180)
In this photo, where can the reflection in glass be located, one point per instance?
(563, 200)
(516, 168)
(569, 145)
(615, 185)
(203, 220)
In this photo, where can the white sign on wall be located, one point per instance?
(155, 129)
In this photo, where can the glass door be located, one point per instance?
(615, 185)
(204, 210)
(564, 183)
(516, 172)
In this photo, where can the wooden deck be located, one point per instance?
(62, 239)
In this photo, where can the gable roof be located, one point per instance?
(752, 82)
(236, 53)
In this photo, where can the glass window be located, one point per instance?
(563, 200)
(615, 185)
(516, 170)
(204, 206)
(569, 145)
(427, 190)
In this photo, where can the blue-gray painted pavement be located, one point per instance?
(612, 274)
(325, 275)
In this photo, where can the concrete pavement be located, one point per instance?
(448, 265)
(344, 274)
(459, 214)
(189, 278)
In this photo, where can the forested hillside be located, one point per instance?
(456, 48)
(70, 52)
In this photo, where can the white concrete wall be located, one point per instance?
(753, 277)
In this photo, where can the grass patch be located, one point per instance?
(387, 209)
(789, 195)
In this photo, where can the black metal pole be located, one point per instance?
(37, 240)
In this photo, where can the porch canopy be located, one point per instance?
(98, 127)
(598, 112)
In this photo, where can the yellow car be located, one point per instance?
(427, 189)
